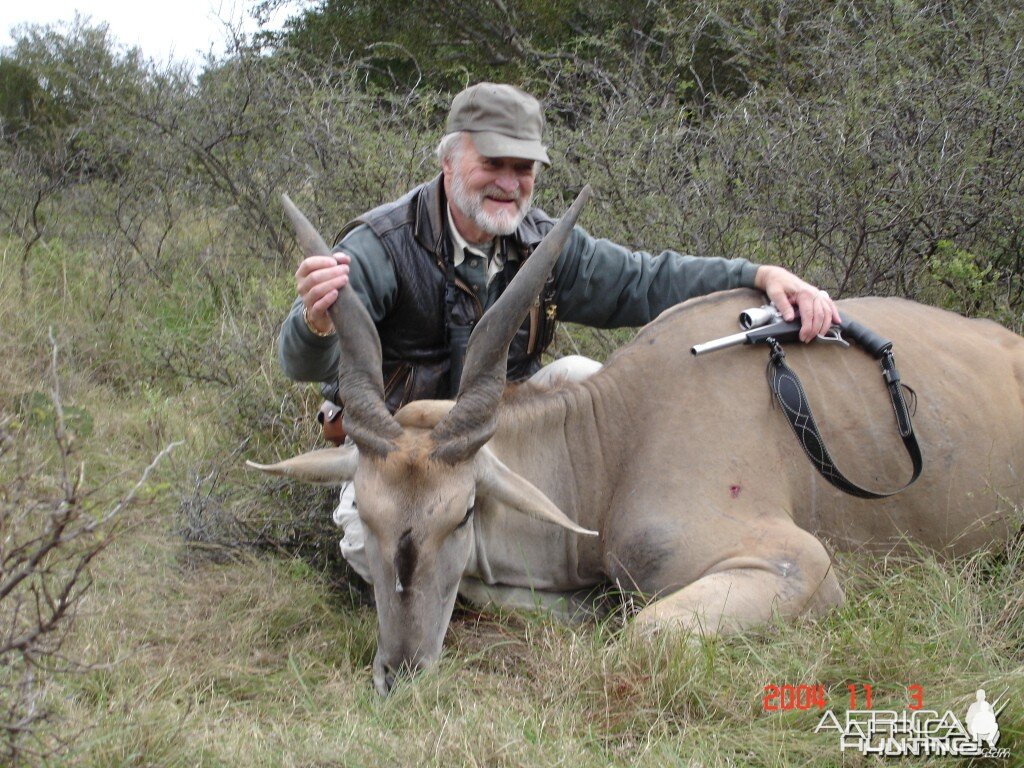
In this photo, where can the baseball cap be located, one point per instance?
(504, 121)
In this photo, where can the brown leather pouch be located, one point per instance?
(330, 419)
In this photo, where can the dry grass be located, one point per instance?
(257, 662)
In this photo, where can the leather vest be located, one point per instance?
(430, 300)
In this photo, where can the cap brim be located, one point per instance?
(490, 144)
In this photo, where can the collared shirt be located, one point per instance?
(461, 246)
(475, 265)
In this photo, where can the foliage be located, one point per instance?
(902, 139)
(20, 97)
(52, 528)
(968, 286)
(58, 79)
(441, 43)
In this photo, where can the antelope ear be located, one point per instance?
(327, 466)
(498, 481)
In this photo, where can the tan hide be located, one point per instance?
(704, 498)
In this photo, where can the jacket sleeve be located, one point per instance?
(602, 284)
(304, 356)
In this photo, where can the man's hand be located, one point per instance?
(817, 310)
(317, 281)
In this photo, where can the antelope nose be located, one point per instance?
(383, 678)
(383, 675)
(387, 673)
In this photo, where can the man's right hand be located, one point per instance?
(317, 281)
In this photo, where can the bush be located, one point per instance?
(52, 527)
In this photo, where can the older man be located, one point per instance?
(428, 264)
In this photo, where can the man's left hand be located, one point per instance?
(790, 294)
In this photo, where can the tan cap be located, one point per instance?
(504, 121)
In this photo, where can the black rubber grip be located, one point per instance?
(782, 332)
(872, 343)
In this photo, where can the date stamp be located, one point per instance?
(784, 698)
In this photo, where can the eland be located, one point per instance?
(668, 475)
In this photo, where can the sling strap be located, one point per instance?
(786, 387)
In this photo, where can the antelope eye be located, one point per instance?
(469, 514)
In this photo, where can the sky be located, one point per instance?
(179, 29)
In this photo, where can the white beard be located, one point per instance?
(472, 205)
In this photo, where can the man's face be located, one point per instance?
(492, 193)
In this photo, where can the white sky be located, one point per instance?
(178, 29)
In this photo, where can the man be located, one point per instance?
(426, 267)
